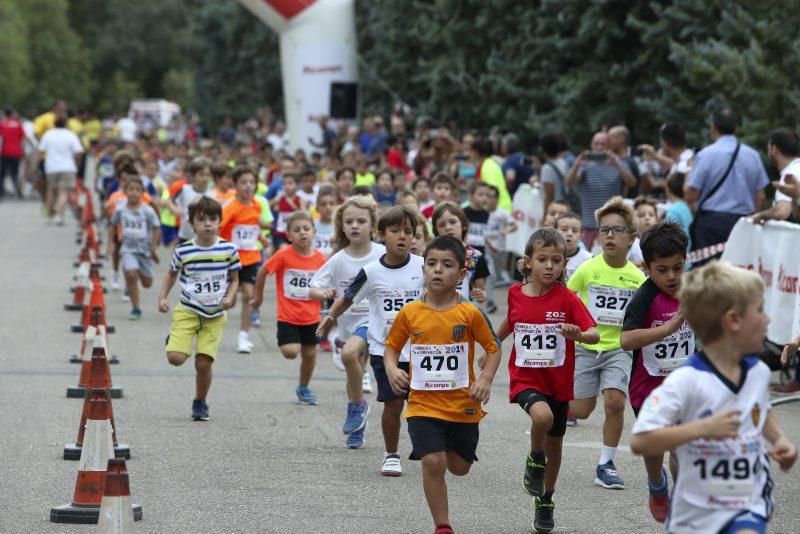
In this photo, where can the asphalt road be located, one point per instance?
(262, 463)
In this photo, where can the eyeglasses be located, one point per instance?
(618, 230)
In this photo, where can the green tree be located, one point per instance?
(15, 62)
(59, 63)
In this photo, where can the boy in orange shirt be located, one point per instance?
(298, 314)
(241, 225)
(224, 189)
(444, 401)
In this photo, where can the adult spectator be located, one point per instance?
(601, 174)
(726, 183)
(328, 137)
(619, 140)
(554, 169)
(784, 152)
(127, 129)
(674, 154)
(489, 171)
(517, 169)
(12, 136)
(380, 135)
(367, 134)
(278, 137)
(60, 149)
(47, 120)
(227, 133)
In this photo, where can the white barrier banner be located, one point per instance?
(770, 251)
(528, 213)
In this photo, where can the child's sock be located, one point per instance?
(607, 455)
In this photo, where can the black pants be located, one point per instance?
(711, 228)
(9, 167)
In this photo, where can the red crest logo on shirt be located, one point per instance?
(755, 415)
(458, 331)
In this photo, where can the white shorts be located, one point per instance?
(131, 261)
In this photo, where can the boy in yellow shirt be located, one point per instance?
(444, 396)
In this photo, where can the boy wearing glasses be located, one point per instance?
(606, 284)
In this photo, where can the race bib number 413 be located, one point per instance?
(538, 345)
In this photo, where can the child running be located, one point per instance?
(449, 219)
(241, 225)
(389, 284)
(660, 338)
(546, 319)
(715, 412)
(354, 227)
(444, 396)
(606, 284)
(208, 267)
(195, 187)
(570, 227)
(140, 229)
(326, 203)
(297, 313)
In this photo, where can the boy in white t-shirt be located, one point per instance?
(199, 175)
(570, 226)
(715, 412)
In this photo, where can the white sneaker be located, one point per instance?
(244, 346)
(391, 465)
(125, 296)
(336, 355)
(366, 382)
(115, 281)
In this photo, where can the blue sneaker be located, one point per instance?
(305, 396)
(199, 410)
(356, 417)
(135, 314)
(255, 318)
(355, 440)
(608, 477)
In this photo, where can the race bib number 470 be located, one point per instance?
(607, 304)
(439, 367)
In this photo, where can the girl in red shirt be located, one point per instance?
(546, 319)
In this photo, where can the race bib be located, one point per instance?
(439, 367)
(724, 472)
(538, 345)
(608, 304)
(323, 243)
(664, 356)
(296, 284)
(476, 234)
(133, 228)
(208, 289)
(245, 236)
(391, 302)
(280, 224)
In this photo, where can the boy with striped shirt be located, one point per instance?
(208, 268)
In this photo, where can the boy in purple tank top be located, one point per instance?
(660, 338)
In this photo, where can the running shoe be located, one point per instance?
(533, 480)
(543, 515)
(391, 465)
(325, 345)
(789, 388)
(305, 396)
(125, 296)
(356, 417)
(135, 314)
(659, 498)
(199, 410)
(355, 440)
(608, 477)
(444, 528)
(244, 345)
(366, 382)
(255, 318)
(115, 281)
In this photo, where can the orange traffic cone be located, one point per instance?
(117, 513)
(97, 450)
(82, 284)
(94, 374)
(94, 314)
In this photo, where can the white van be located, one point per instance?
(155, 111)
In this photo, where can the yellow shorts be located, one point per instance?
(186, 325)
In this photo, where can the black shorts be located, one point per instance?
(529, 397)
(384, 388)
(292, 333)
(430, 435)
(248, 274)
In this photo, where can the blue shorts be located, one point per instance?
(361, 332)
(168, 234)
(745, 521)
(384, 389)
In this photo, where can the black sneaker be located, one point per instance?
(533, 481)
(543, 515)
(199, 410)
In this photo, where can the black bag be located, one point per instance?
(716, 187)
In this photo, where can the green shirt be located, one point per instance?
(606, 291)
(492, 174)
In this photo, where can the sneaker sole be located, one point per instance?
(363, 440)
(392, 474)
(362, 427)
(598, 482)
(541, 530)
(199, 418)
